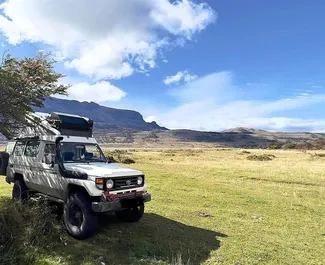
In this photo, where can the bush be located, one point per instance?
(317, 155)
(127, 161)
(290, 146)
(275, 146)
(111, 158)
(25, 228)
(263, 157)
(119, 156)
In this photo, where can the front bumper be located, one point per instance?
(120, 203)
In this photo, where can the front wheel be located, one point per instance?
(20, 190)
(80, 221)
(132, 214)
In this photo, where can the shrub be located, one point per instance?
(245, 152)
(111, 158)
(127, 161)
(275, 146)
(316, 155)
(119, 156)
(263, 157)
(290, 146)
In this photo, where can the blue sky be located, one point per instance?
(207, 65)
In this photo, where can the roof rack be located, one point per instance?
(72, 125)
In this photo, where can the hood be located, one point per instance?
(102, 169)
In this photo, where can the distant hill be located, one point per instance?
(243, 138)
(104, 117)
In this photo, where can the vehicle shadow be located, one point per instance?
(154, 238)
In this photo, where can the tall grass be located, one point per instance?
(25, 227)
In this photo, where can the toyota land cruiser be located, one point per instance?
(58, 158)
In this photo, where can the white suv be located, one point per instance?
(59, 159)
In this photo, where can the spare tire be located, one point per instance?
(4, 159)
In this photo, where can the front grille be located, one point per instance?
(123, 183)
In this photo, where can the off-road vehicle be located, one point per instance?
(58, 158)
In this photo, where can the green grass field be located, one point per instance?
(263, 212)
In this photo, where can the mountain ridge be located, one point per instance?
(103, 117)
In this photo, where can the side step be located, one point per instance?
(40, 196)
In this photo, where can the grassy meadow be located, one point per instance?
(212, 206)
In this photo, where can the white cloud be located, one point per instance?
(106, 39)
(181, 75)
(150, 118)
(214, 102)
(98, 92)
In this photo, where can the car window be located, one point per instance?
(10, 147)
(32, 148)
(49, 154)
(19, 148)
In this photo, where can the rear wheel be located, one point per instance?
(132, 214)
(20, 190)
(80, 221)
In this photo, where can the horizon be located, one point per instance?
(199, 65)
(221, 131)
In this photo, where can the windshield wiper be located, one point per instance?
(95, 160)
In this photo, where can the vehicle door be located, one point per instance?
(10, 150)
(30, 162)
(17, 162)
(53, 182)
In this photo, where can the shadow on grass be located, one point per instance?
(153, 239)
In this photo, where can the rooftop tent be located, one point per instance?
(71, 125)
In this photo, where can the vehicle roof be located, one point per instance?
(76, 139)
(66, 138)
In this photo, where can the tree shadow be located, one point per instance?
(154, 238)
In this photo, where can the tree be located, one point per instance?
(25, 83)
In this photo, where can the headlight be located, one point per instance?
(109, 184)
(140, 180)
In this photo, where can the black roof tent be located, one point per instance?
(71, 125)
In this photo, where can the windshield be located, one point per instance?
(81, 152)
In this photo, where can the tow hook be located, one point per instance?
(107, 196)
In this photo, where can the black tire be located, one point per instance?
(20, 190)
(131, 215)
(79, 219)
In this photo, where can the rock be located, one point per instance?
(205, 215)
(101, 260)
(260, 218)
